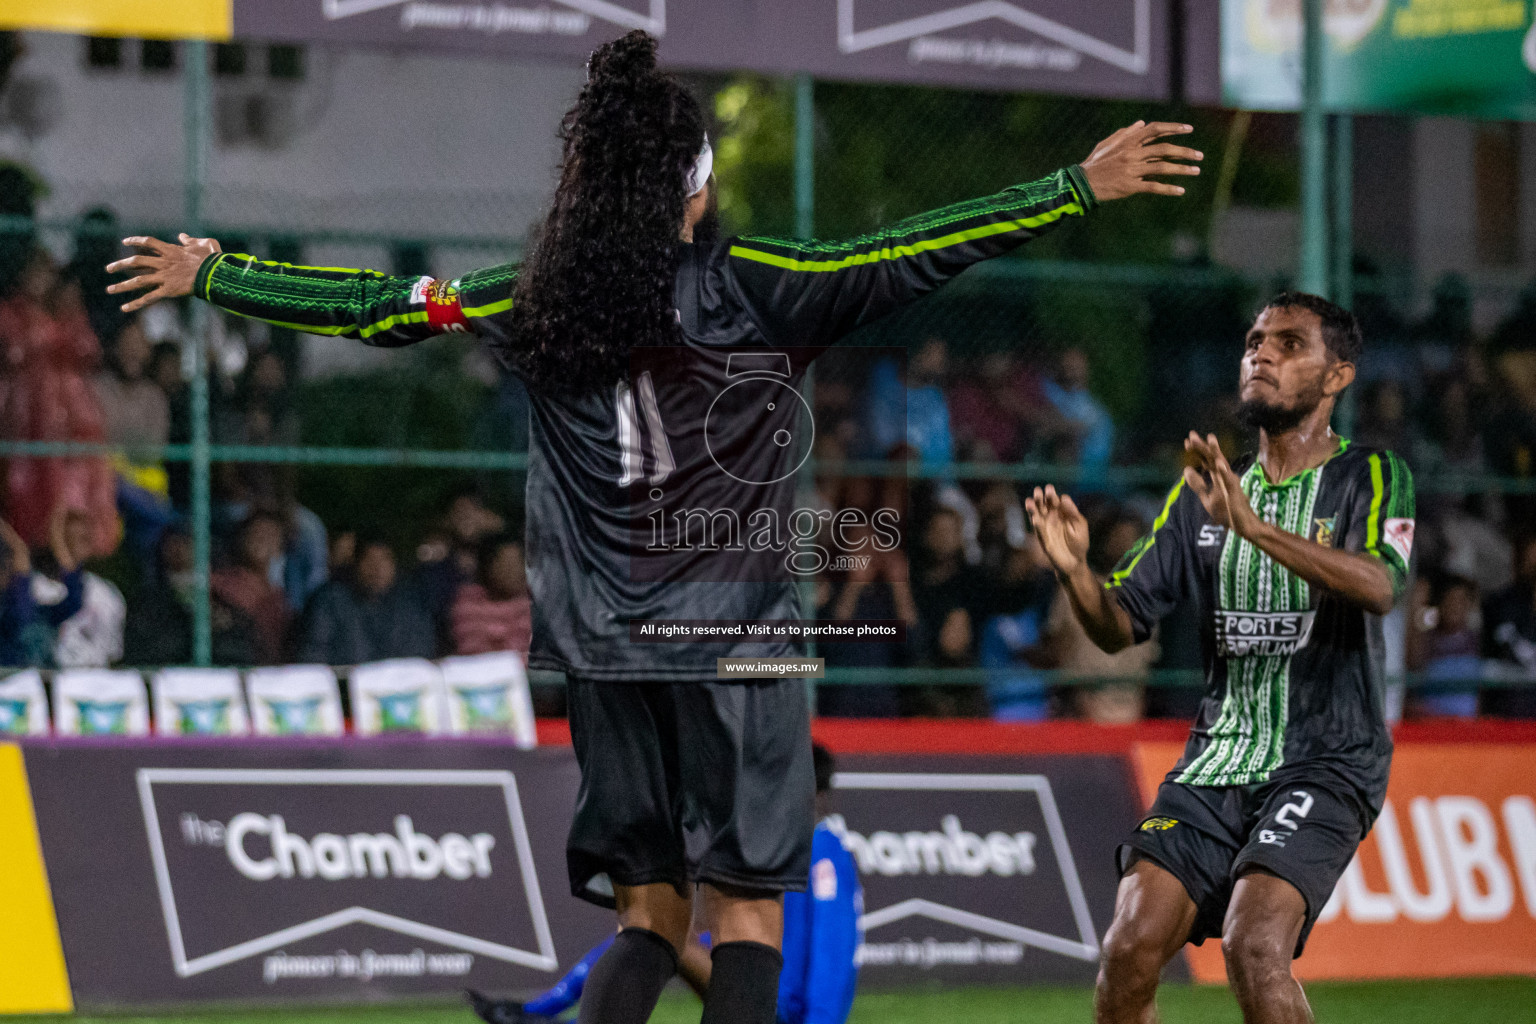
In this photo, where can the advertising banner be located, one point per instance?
(32, 975)
(311, 870)
(308, 870)
(984, 870)
(1087, 47)
(148, 19)
(1445, 884)
(1454, 57)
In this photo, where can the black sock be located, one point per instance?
(744, 985)
(627, 980)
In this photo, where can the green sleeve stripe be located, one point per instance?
(913, 249)
(1373, 521)
(415, 317)
(489, 309)
(347, 271)
(1122, 575)
(202, 283)
(1081, 186)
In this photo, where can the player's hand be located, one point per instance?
(1210, 476)
(1062, 529)
(1122, 164)
(161, 270)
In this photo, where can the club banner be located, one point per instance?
(1445, 884)
(984, 870)
(1453, 57)
(308, 870)
(1087, 47)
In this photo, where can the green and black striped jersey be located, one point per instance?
(1293, 672)
(605, 457)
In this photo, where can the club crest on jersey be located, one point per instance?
(1324, 535)
(1157, 824)
(1398, 534)
(445, 313)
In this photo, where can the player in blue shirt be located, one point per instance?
(821, 941)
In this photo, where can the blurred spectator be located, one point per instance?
(1091, 431)
(159, 626)
(371, 616)
(97, 244)
(1509, 636)
(93, 636)
(945, 594)
(165, 371)
(48, 352)
(1384, 417)
(31, 607)
(879, 590)
(951, 600)
(1452, 441)
(135, 411)
(996, 412)
(1010, 646)
(262, 414)
(1000, 525)
(449, 557)
(19, 192)
(911, 410)
(1443, 645)
(247, 584)
(1122, 698)
(494, 613)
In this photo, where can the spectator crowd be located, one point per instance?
(99, 563)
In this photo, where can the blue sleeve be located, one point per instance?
(74, 599)
(797, 957)
(566, 992)
(830, 944)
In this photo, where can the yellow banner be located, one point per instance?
(146, 19)
(32, 974)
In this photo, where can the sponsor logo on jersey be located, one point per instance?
(1157, 824)
(1324, 534)
(824, 880)
(1398, 534)
(1211, 535)
(1248, 634)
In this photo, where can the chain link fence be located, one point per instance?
(1082, 361)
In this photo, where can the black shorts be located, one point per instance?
(691, 782)
(1303, 829)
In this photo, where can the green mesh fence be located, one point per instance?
(1147, 303)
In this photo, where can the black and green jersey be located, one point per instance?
(1293, 672)
(600, 453)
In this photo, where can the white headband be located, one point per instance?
(698, 176)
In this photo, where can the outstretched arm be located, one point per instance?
(812, 293)
(363, 304)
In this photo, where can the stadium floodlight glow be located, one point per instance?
(655, 22)
(1137, 61)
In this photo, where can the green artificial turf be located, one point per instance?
(1497, 1001)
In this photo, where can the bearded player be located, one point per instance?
(689, 783)
(1293, 558)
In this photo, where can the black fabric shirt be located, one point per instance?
(692, 428)
(1293, 672)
